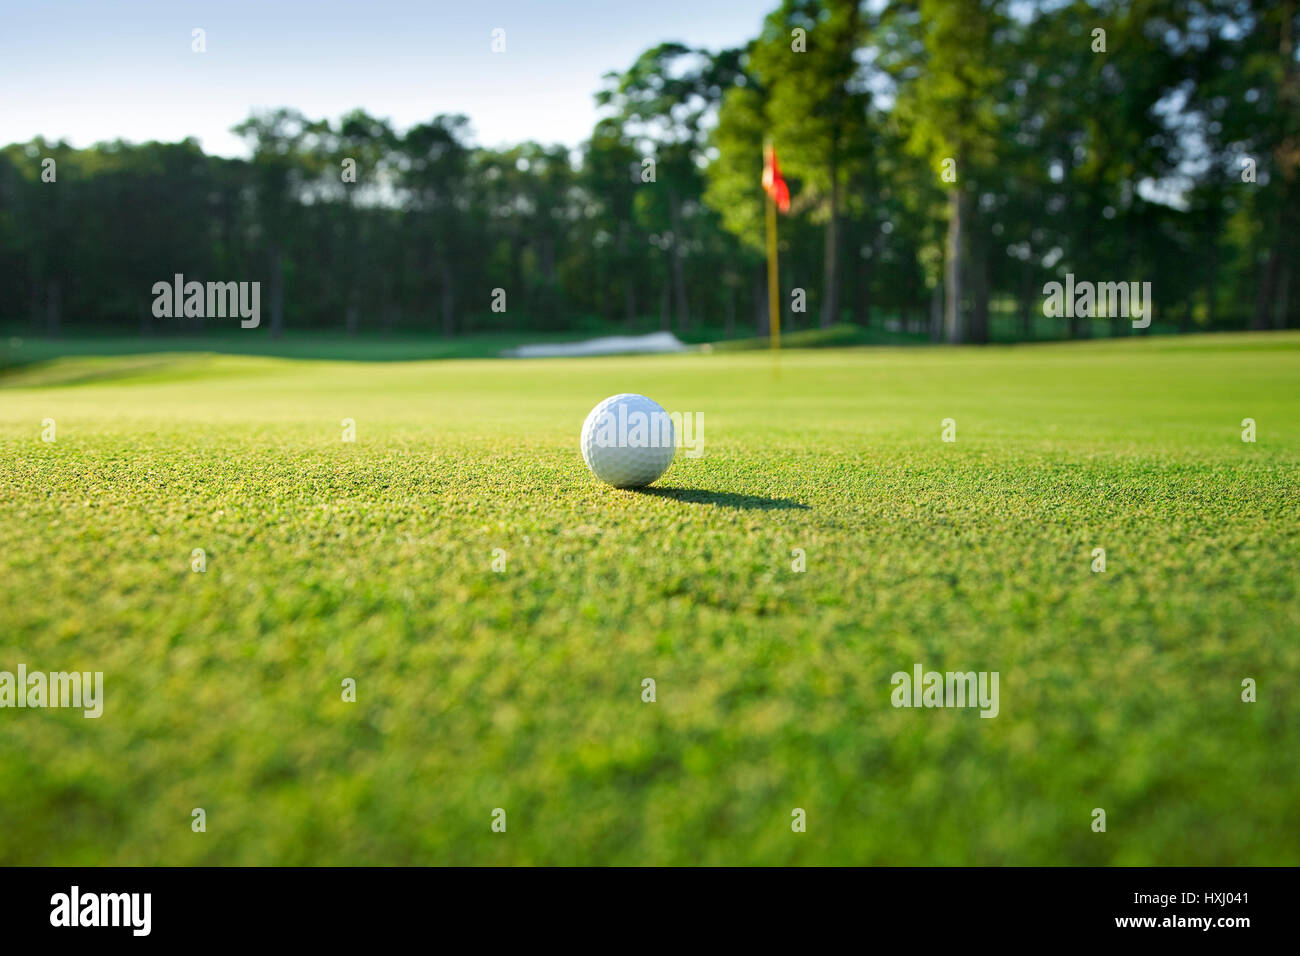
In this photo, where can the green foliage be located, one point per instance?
(1118, 164)
(814, 113)
(738, 140)
(953, 104)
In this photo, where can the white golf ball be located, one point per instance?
(628, 441)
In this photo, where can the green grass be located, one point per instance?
(522, 690)
(837, 335)
(18, 350)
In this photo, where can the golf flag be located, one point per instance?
(773, 183)
(778, 196)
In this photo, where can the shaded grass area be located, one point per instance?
(18, 350)
(522, 689)
(842, 335)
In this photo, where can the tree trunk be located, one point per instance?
(448, 299)
(679, 263)
(1027, 304)
(36, 314)
(936, 313)
(629, 280)
(1267, 285)
(830, 313)
(953, 327)
(548, 258)
(979, 319)
(1270, 308)
(1212, 282)
(351, 267)
(1283, 288)
(387, 303)
(865, 277)
(731, 308)
(864, 298)
(1119, 323)
(53, 309)
(785, 299)
(277, 292)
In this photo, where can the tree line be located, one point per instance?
(946, 158)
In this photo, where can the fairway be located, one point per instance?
(499, 609)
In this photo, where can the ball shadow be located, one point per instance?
(725, 499)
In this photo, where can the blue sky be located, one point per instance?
(90, 70)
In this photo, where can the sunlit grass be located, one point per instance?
(522, 690)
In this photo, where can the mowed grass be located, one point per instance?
(522, 690)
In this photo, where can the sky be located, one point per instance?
(94, 70)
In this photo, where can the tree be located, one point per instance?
(610, 176)
(435, 164)
(663, 103)
(360, 162)
(949, 104)
(279, 140)
(817, 113)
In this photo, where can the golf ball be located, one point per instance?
(628, 441)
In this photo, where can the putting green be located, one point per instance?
(522, 688)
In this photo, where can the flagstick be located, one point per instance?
(773, 308)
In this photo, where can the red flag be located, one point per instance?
(773, 184)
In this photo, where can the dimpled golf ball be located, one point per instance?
(628, 441)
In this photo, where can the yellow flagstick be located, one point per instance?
(773, 305)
